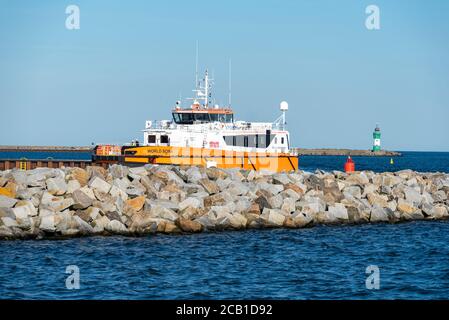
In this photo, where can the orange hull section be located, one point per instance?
(212, 157)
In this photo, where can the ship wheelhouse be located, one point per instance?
(193, 116)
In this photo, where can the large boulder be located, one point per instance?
(191, 202)
(337, 213)
(358, 178)
(99, 184)
(19, 176)
(100, 224)
(73, 185)
(219, 212)
(331, 190)
(281, 178)
(62, 221)
(118, 171)
(216, 173)
(56, 204)
(276, 202)
(262, 201)
(273, 217)
(377, 199)
(9, 222)
(301, 219)
(354, 215)
(163, 203)
(118, 193)
(439, 211)
(313, 182)
(82, 226)
(408, 210)
(237, 188)
(187, 225)
(80, 175)
(222, 184)
(163, 213)
(9, 190)
(206, 222)
(440, 196)
(237, 221)
(81, 199)
(380, 214)
(115, 226)
(139, 171)
(311, 205)
(7, 202)
(48, 224)
(210, 186)
(272, 189)
(413, 196)
(89, 215)
(166, 175)
(169, 227)
(26, 208)
(406, 206)
(292, 191)
(354, 190)
(56, 186)
(37, 177)
(214, 200)
(6, 233)
(193, 174)
(96, 171)
(135, 204)
(289, 205)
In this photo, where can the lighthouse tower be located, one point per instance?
(376, 139)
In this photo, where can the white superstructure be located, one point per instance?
(214, 127)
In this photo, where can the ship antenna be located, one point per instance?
(196, 65)
(229, 95)
(206, 88)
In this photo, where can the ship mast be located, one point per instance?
(202, 92)
(206, 89)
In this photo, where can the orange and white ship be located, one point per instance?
(208, 135)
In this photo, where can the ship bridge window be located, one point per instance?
(220, 117)
(183, 118)
(151, 139)
(201, 117)
(164, 139)
(190, 118)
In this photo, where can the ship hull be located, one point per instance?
(184, 156)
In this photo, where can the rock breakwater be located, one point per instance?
(67, 202)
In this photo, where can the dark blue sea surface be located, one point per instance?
(316, 263)
(418, 161)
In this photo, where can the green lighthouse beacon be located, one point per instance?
(376, 137)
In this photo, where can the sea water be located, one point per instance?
(324, 262)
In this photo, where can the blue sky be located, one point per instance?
(130, 61)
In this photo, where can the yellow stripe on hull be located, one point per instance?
(220, 158)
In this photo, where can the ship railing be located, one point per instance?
(204, 127)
